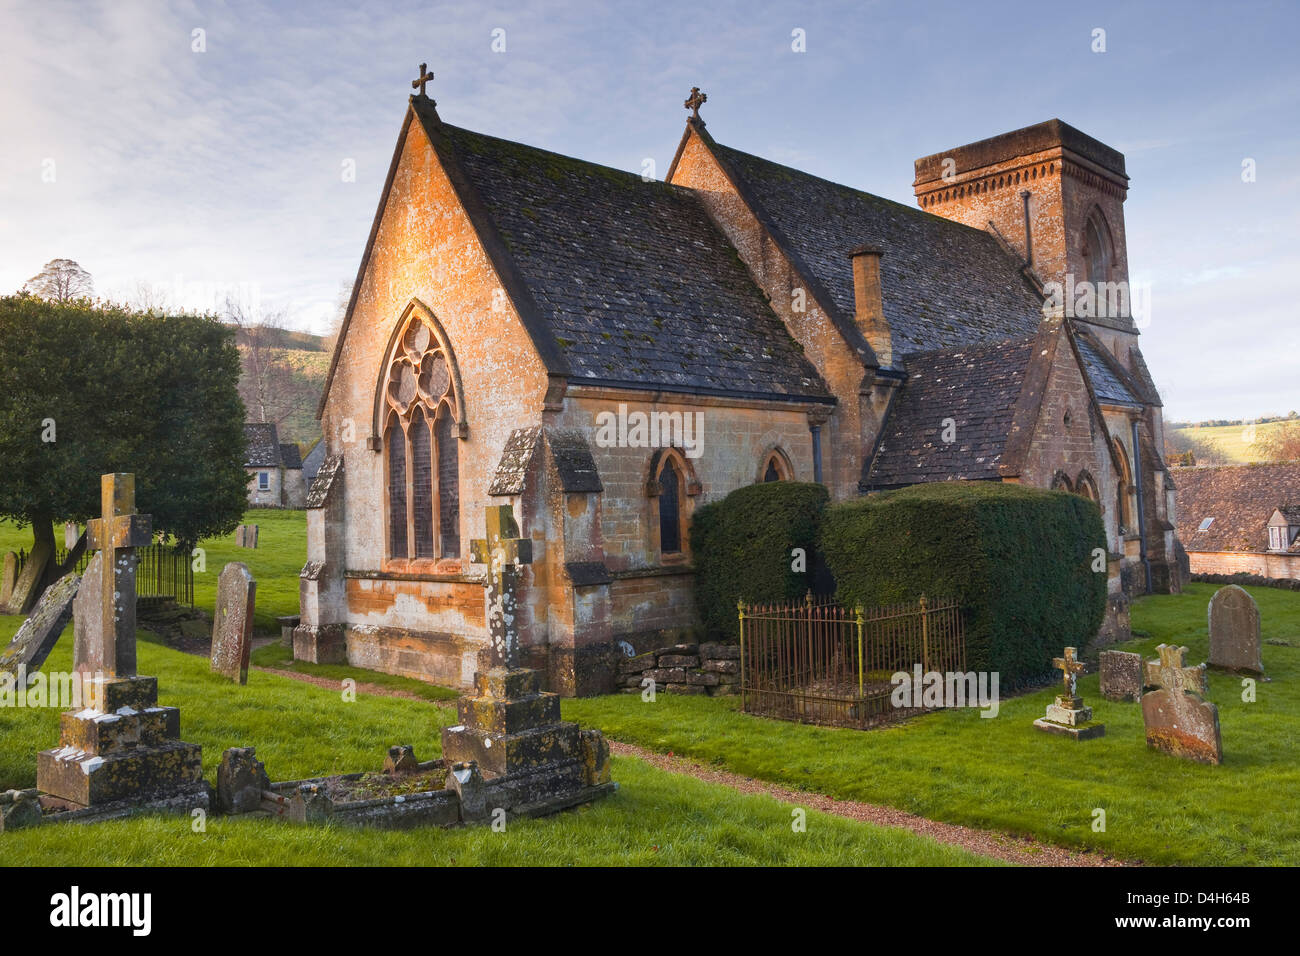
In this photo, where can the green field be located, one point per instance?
(1233, 441)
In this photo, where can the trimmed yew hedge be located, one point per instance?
(742, 548)
(1018, 559)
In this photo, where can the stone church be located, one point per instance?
(512, 303)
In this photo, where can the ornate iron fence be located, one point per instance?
(819, 662)
(162, 571)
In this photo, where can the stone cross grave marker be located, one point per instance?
(110, 647)
(232, 622)
(1070, 669)
(38, 634)
(1177, 719)
(123, 747)
(504, 552)
(1068, 715)
(1234, 631)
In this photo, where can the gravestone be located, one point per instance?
(1121, 676)
(232, 622)
(122, 749)
(71, 534)
(27, 585)
(509, 725)
(1234, 631)
(1068, 717)
(38, 634)
(1177, 719)
(8, 577)
(241, 780)
(246, 536)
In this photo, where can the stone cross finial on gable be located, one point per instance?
(1070, 670)
(504, 552)
(424, 77)
(695, 101)
(116, 535)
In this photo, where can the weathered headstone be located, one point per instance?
(246, 536)
(1234, 631)
(1121, 676)
(38, 634)
(123, 748)
(241, 781)
(232, 622)
(1068, 716)
(71, 534)
(27, 586)
(1177, 719)
(8, 577)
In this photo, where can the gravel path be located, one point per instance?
(991, 843)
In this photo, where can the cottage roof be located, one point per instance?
(1240, 498)
(263, 445)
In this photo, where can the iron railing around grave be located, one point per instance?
(161, 571)
(818, 662)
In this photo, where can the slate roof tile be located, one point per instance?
(943, 284)
(977, 387)
(634, 280)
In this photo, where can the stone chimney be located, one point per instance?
(868, 308)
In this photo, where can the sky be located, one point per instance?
(194, 151)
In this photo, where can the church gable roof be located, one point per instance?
(1240, 498)
(978, 388)
(634, 281)
(943, 284)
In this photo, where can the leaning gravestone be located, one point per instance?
(232, 622)
(8, 577)
(1234, 631)
(1121, 676)
(27, 585)
(40, 632)
(1176, 718)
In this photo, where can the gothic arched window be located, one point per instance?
(422, 458)
(1097, 249)
(775, 467)
(670, 508)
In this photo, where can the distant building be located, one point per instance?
(274, 469)
(1241, 518)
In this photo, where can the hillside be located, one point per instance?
(282, 375)
(1221, 444)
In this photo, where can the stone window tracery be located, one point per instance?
(422, 457)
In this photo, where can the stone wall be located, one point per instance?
(1263, 564)
(712, 669)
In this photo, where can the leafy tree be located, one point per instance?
(1281, 443)
(87, 390)
(61, 280)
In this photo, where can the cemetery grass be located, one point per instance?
(300, 730)
(1002, 774)
(279, 657)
